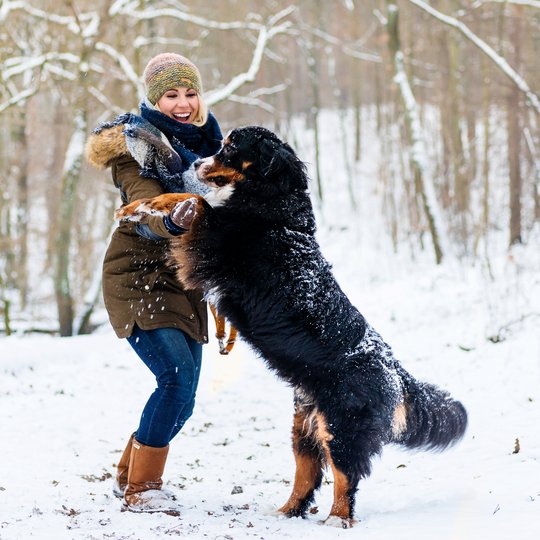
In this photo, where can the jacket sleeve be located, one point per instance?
(125, 171)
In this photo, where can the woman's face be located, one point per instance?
(180, 104)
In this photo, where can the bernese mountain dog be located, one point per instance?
(251, 246)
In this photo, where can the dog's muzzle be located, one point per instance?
(201, 166)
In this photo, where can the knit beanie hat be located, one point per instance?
(170, 70)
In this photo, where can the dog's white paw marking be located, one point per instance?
(274, 512)
(132, 217)
(339, 523)
(147, 210)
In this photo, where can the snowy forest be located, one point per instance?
(448, 88)
(419, 124)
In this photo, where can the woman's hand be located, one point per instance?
(184, 212)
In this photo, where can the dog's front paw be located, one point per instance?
(134, 211)
(290, 511)
(157, 206)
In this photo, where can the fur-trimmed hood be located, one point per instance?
(105, 146)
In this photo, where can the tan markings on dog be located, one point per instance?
(341, 506)
(308, 467)
(322, 435)
(305, 477)
(225, 347)
(183, 261)
(310, 423)
(246, 164)
(322, 428)
(399, 421)
(162, 204)
(231, 174)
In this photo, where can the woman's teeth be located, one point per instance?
(182, 116)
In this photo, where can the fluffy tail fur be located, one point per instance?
(434, 420)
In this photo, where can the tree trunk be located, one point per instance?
(514, 133)
(70, 181)
(314, 75)
(357, 104)
(22, 214)
(427, 192)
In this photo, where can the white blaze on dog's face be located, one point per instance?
(221, 173)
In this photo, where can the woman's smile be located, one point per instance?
(181, 104)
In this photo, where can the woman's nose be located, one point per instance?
(182, 101)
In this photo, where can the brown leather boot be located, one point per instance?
(120, 482)
(143, 491)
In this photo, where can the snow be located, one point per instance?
(68, 406)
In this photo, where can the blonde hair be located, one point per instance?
(202, 113)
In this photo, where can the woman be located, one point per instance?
(149, 155)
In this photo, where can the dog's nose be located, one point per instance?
(197, 163)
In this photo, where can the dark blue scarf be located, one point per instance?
(190, 142)
(156, 160)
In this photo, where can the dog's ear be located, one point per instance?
(280, 164)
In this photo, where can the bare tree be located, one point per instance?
(418, 154)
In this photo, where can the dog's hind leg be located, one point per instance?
(309, 463)
(340, 457)
(344, 490)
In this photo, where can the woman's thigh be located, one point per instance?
(172, 356)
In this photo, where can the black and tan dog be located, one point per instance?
(251, 246)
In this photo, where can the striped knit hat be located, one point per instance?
(170, 70)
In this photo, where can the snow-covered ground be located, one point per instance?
(67, 407)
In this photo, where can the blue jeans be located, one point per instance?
(175, 360)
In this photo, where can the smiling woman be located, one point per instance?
(166, 325)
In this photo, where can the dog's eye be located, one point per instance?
(219, 181)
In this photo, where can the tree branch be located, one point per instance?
(346, 49)
(124, 8)
(265, 35)
(73, 23)
(20, 64)
(124, 64)
(530, 3)
(500, 62)
(18, 98)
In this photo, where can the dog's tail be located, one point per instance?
(429, 418)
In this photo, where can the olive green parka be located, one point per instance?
(139, 286)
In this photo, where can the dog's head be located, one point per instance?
(254, 157)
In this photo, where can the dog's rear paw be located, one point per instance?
(276, 513)
(339, 522)
(289, 512)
